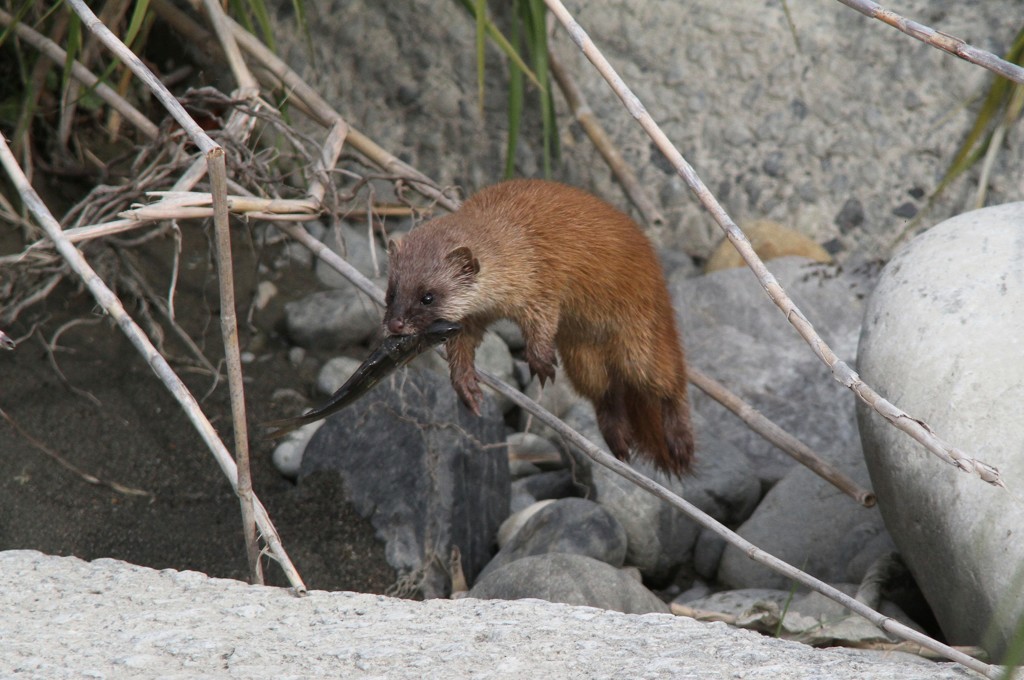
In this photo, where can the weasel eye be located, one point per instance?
(427, 299)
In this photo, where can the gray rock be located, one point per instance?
(942, 339)
(520, 500)
(519, 468)
(534, 450)
(735, 602)
(569, 525)
(288, 454)
(551, 484)
(433, 361)
(571, 579)
(707, 554)
(734, 334)
(493, 355)
(676, 265)
(334, 373)
(296, 355)
(295, 253)
(737, 336)
(425, 471)
(810, 524)
(697, 591)
(873, 548)
(510, 332)
(801, 609)
(332, 319)
(352, 245)
(661, 538)
(557, 397)
(139, 622)
(514, 522)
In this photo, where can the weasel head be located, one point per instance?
(428, 281)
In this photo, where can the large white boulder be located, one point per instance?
(943, 338)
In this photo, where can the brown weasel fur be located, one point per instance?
(574, 273)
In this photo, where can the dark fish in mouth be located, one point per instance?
(393, 353)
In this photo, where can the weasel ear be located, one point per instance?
(463, 260)
(394, 246)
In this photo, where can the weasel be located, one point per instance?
(575, 274)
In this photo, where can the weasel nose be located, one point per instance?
(396, 326)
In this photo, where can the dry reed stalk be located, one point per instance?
(91, 231)
(995, 143)
(702, 614)
(249, 91)
(217, 170)
(226, 40)
(233, 359)
(333, 144)
(939, 40)
(786, 442)
(191, 204)
(842, 372)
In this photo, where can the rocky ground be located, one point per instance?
(64, 618)
(111, 418)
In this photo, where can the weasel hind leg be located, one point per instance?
(613, 421)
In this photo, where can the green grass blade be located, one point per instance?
(259, 11)
(74, 47)
(974, 145)
(515, 107)
(503, 44)
(238, 11)
(480, 10)
(135, 24)
(1014, 656)
(538, 44)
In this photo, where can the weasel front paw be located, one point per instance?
(541, 364)
(468, 389)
